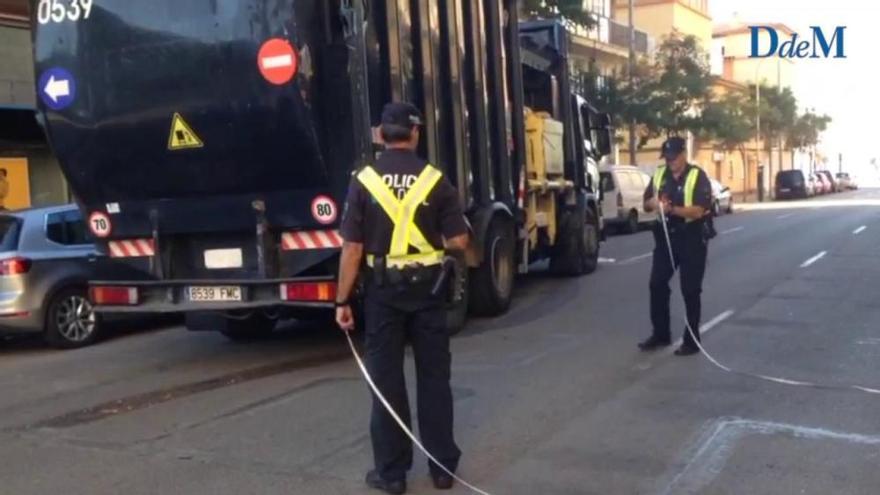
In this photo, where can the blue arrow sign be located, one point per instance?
(57, 88)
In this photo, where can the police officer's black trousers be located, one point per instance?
(392, 320)
(689, 250)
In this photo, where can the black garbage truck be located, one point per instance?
(210, 143)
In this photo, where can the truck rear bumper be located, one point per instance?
(172, 296)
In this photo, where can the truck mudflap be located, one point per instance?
(180, 296)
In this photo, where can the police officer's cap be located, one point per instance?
(673, 147)
(401, 114)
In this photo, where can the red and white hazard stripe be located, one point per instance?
(133, 248)
(312, 239)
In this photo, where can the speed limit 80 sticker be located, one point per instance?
(324, 210)
(99, 224)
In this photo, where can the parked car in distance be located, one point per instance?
(790, 184)
(722, 199)
(844, 181)
(831, 180)
(827, 186)
(46, 260)
(624, 190)
(813, 186)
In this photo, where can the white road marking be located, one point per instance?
(707, 327)
(716, 446)
(860, 230)
(730, 231)
(607, 261)
(636, 259)
(814, 259)
(783, 217)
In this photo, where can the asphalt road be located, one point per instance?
(552, 398)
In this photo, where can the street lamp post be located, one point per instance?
(758, 120)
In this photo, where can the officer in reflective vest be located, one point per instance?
(684, 193)
(401, 217)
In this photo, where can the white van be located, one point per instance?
(624, 190)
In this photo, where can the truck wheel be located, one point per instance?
(491, 284)
(71, 322)
(577, 248)
(591, 242)
(254, 327)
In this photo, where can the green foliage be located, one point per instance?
(727, 121)
(778, 112)
(806, 130)
(570, 10)
(666, 94)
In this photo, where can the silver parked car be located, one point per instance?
(46, 260)
(722, 199)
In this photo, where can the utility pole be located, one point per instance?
(632, 69)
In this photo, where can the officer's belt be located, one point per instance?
(410, 260)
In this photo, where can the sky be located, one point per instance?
(845, 89)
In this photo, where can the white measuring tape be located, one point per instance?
(400, 422)
(773, 379)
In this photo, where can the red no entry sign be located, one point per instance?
(277, 61)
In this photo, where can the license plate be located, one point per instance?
(214, 294)
(785, 189)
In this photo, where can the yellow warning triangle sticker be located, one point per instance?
(182, 136)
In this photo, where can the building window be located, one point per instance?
(600, 7)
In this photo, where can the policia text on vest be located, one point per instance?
(397, 232)
(684, 193)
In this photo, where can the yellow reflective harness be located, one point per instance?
(690, 184)
(403, 214)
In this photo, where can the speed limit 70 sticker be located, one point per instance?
(324, 210)
(99, 224)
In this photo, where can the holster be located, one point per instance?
(709, 231)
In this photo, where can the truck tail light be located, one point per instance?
(114, 296)
(309, 291)
(14, 266)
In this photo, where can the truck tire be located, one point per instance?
(254, 327)
(577, 248)
(491, 283)
(71, 322)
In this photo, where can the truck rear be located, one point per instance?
(210, 143)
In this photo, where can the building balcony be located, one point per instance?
(609, 37)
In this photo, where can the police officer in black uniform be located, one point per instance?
(402, 217)
(684, 193)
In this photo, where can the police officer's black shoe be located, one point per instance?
(376, 482)
(442, 481)
(653, 343)
(687, 350)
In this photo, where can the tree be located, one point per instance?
(667, 94)
(726, 121)
(778, 111)
(570, 10)
(805, 132)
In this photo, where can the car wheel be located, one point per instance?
(716, 208)
(71, 321)
(730, 205)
